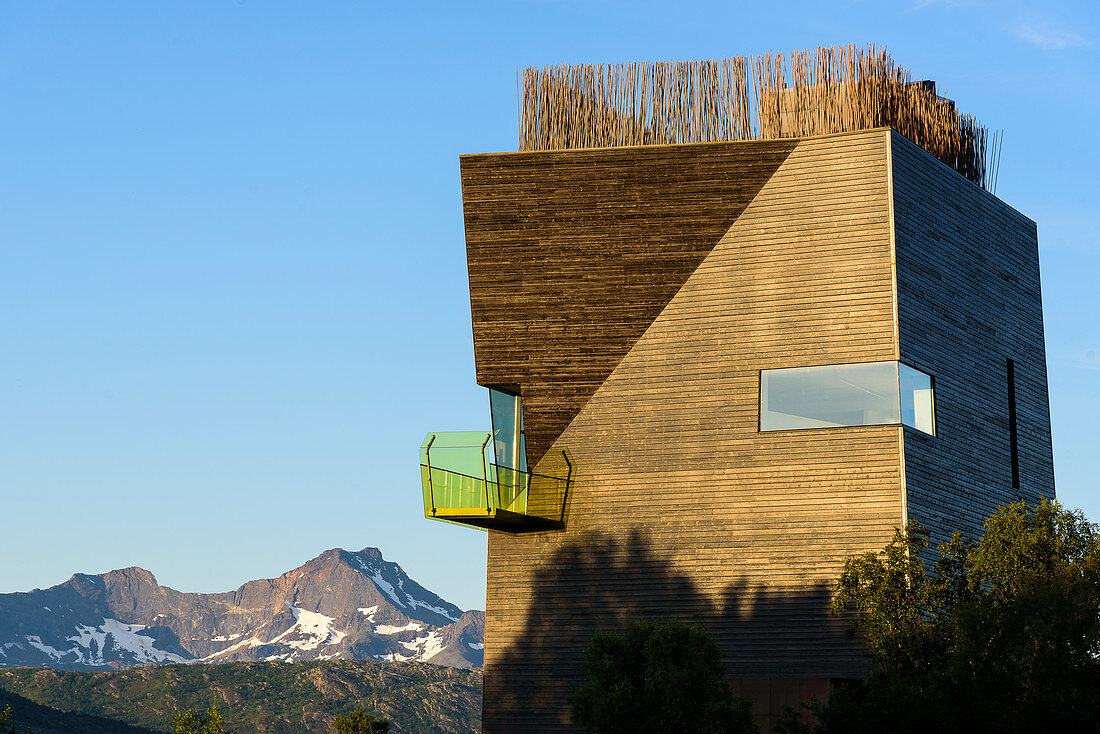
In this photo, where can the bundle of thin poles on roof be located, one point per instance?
(816, 92)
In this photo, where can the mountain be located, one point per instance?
(253, 697)
(340, 605)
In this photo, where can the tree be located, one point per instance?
(205, 722)
(664, 678)
(1001, 634)
(360, 722)
(6, 727)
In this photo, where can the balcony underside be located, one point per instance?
(493, 519)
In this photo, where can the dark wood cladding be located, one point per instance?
(572, 255)
(969, 301)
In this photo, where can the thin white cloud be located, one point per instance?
(1044, 34)
(924, 4)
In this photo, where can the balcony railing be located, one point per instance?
(463, 485)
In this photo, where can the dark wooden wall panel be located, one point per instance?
(573, 253)
(968, 300)
(681, 508)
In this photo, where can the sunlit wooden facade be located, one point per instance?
(632, 298)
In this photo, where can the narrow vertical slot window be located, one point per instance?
(1014, 450)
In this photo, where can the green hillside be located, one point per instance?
(45, 720)
(265, 697)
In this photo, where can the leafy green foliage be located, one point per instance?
(360, 722)
(998, 635)
(192, 722)
(5, 717)
(663, 678)
(6, 727)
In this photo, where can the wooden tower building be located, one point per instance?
(718, 369)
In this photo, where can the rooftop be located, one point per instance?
(813, 92)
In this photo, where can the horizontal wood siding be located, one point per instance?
(681, 508)
(968, 300)
(572, 254)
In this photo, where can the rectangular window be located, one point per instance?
(509, 449)
(916, 399)
(863, 394)
(1013, 447)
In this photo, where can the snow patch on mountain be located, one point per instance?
(368, 612)
(93, 643)
(414, 602)
(36, 642)
(376, 576)
(124, 637)
(398, 595)
(315, 626)
(395, 657)
(386, 629)
(438, 610)
(425, 648)
(250, 642)
(387, 587)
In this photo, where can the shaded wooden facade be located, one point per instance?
(968, 302)
(633, 295)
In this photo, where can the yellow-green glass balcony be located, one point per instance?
(463, 484)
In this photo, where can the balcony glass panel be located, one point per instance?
(863, 394)
(461, 483)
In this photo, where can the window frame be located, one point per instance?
(932, 387)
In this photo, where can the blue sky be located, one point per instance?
(232, 270)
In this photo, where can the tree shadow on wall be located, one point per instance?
(599, 583)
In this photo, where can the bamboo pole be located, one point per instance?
(808, 92)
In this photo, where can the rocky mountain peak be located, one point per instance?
(341, 604)
(135, 579)
(133, 574)
(83, 582)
